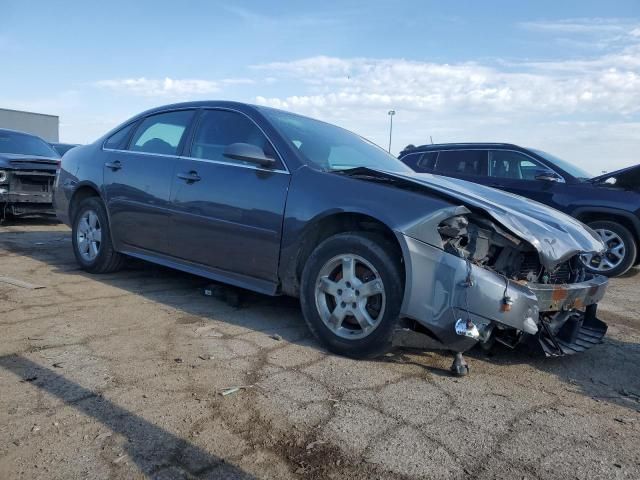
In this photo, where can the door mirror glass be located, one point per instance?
(547, 176)
(245, 152)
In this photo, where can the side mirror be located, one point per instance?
(246, 152)
(548, 176)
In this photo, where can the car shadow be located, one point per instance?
(166, 454)
(604, 373)
(29, 220)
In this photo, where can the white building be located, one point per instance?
(43, 125)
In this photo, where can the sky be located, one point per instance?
(561, 76)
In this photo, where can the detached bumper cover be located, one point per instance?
(442, 288)
(578, 334)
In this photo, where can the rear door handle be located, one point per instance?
(190, 177)
(496, 185)
(114, 165)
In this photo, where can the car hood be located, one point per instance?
(18, 161)
(556, 236)
(626, 178)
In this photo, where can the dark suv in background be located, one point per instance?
(610, 203)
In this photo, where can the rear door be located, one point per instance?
(468, 165)
(137, 179)
(228, 213)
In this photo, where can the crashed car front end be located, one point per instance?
(26, 186)
(470, 280)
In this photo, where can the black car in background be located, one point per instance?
(63, 148)
(283, 204)
(610, 203)
(27, 172)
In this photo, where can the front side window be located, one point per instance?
(218, 129)
(462, 162)
(513, 165)
(161, 133)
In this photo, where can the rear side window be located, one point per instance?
(421, 162)
(411, 160)
(118, 140)
(462, 162)
(219, 128)
(161, 133)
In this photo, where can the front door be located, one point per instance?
(137, 181)
(515, 172)
(228, 213)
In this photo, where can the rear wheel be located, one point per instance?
(91, 238)
(621, 251)
(351, 293)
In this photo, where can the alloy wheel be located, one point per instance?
(89, 235)
(611, 258)
(350, 296)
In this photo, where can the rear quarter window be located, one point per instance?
(118, 140)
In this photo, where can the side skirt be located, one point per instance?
(243, 281)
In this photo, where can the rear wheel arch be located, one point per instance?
(82, 192)
(327, 226)
(610, 215)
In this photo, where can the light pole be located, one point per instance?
(391, 113)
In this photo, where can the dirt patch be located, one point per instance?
(91, 388)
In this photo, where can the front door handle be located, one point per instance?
(114, 165)
(190, 177)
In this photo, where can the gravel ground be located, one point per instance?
(122, 375)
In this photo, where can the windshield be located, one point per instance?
(330, 148)
(570, 168)
(13, 142)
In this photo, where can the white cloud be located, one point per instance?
(610, 84)
(586, 109)
(580, 25)
(154, 87)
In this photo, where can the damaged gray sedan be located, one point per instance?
(378, 255)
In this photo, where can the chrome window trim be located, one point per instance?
(207, 160)
(561, 178)
(236, 164)
(134, 152)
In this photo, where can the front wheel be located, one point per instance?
(351, 293)
(620, 254)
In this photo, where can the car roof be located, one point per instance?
(18, 132)
(198, 104)
(455, 146)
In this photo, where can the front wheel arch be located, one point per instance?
(321, 228)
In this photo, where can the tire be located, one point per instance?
(620, 234)
(103, 258)
(377, 273)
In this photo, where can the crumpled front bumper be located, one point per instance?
(442, 288)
